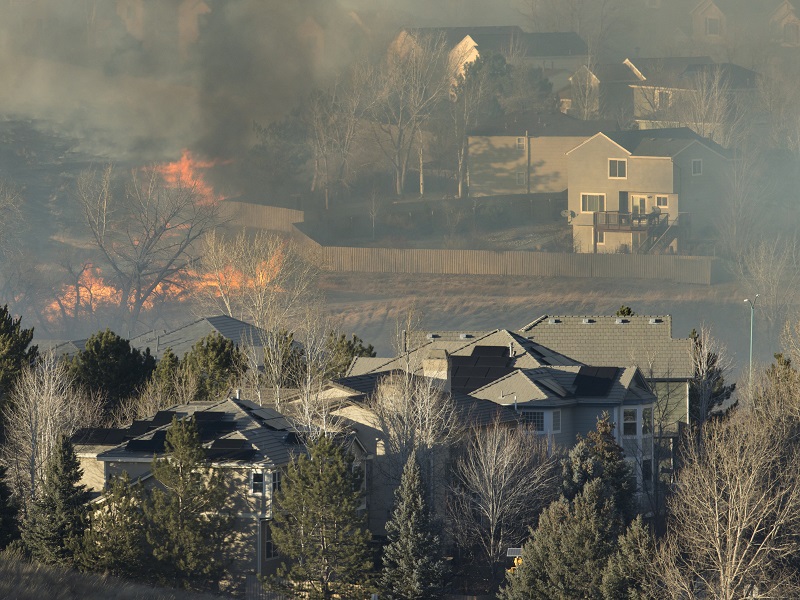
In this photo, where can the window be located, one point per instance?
(662, 201)
(664, 99)
(270, 551)
(601, 237)
(593, 202)
(276, 481)
(647, 421)
(520, 178)
(534, 419)
(617, 168)
(712, 26)
(520, 143)
(556, 421)
(638, 205)
(256, 482)
(629, 422)
(697, 166)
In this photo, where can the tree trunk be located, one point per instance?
(421, 169)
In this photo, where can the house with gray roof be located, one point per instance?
(181, 340)
(657, 191)
(251, 444)
(504, 375)
(643, 341)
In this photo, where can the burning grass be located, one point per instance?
(29, 581)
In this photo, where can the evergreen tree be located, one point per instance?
(707, 390)
(567, 554)
(412, 565)
(108, 365)
(217, 363)
(186, 516)
(15, 352)
(316, 526)
(599, 456)
(9, 530)
(166, 371)
(626, 572)
(114, 539)
(342, 351)
(54, 523)
(625, 311)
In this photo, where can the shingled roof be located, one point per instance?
(644, 341)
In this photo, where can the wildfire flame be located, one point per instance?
(189, 171)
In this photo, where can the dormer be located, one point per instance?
(709, 22)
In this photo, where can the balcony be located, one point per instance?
(623, 221)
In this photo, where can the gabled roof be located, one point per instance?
(666, 142)
(537, 124)
(644, 341)
(182, 339)
(733, 77)
(505, 37)
(232, 431)
(666, 70)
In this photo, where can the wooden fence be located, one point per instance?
(702, 270)
(680, 269)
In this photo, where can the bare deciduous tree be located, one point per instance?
(44, 405)
(145, 234)
(735, 514)
(408, 85)
(503, 478)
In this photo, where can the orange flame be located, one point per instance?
(189, 171)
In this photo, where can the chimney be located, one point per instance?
(437, 367)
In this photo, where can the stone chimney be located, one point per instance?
(437, 367)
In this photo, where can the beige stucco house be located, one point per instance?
(525, 153)
(645, 191)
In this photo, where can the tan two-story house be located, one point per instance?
(645, 191)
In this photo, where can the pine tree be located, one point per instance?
(187, 521)
(114, 540)
(109, 365)
(54, 523)
(9, 530)
(599, 456)
(626, 574)
(566, 556)
(166, 371)
(217, 362)
(342, 352)
(15, 351)
(317, 528)
(412, 565)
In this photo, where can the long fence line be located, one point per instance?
(680, 269)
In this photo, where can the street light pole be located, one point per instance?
(752, 313)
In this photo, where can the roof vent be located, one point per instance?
(656, 321)
(588, 321)
(553, 321)
(622, 321)
(432, 336)
(465, 336)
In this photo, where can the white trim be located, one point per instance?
(625, 150)
(700, 162)
(589, 212)
(617, 160)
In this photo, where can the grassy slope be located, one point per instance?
(25, 581)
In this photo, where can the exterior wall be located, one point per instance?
(93, 472)
(709, 11)
(133, 469)
(702, 195)
(495, 161)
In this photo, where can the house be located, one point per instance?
(728, 23)
(600, 91)
(549, 51)
(644, 341)
(525, 153)
(250, 443)
(501, 374)
(645, 191)
(695, 92)
(784, 23)
(181, 340)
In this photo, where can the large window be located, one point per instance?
(256, 482)
(534, 419)
(593, 202)
(617, 168)
(276, 481)
(270, 551)
(712, 26)
(629, 422)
